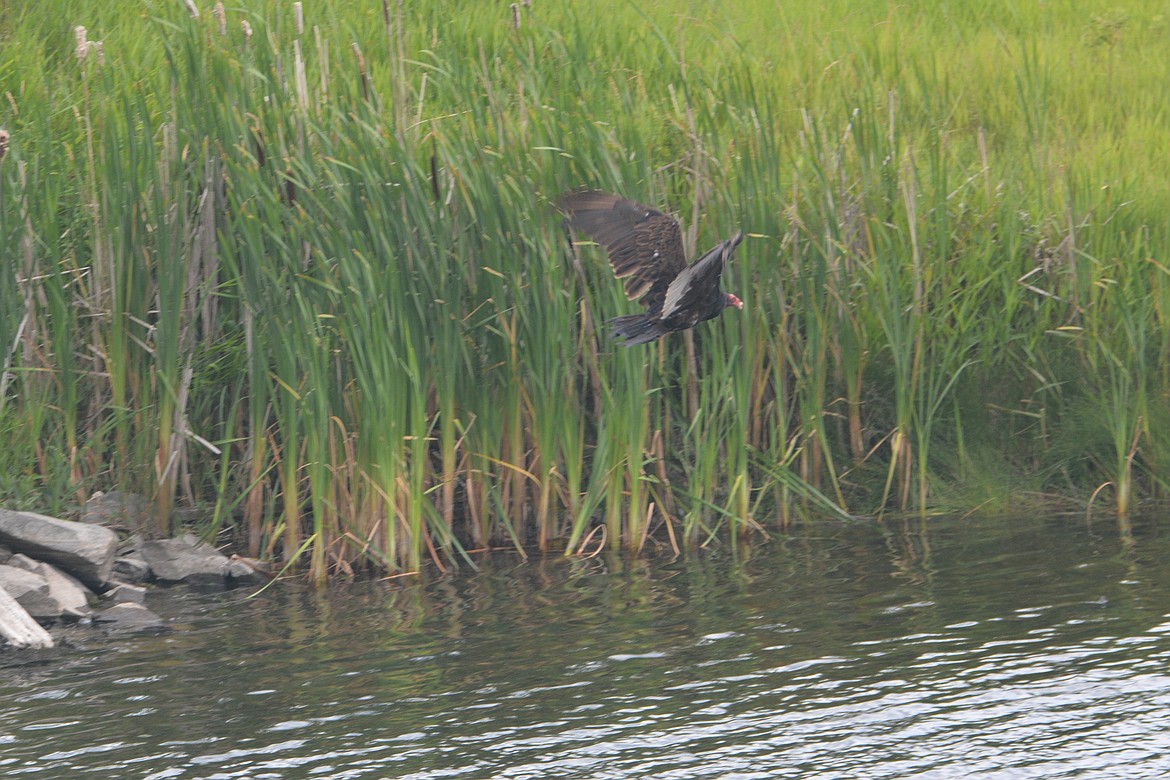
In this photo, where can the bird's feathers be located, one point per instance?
(646, 251)
(699, 279)
(634, 329)
(644, 245)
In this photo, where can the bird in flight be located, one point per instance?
(646, 252)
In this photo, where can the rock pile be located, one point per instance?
(54, 570)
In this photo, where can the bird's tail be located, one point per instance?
(635, 329)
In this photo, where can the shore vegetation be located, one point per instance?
(294, 272)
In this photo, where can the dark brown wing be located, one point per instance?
(694, 295)
(644, 245)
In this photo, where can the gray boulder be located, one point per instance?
(126, 593)
(130, 617)
(85, 551)
(31, 591)
(71, 596)
(185, 559)
(248, 571)
(131, 568)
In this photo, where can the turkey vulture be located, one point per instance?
(645, 249)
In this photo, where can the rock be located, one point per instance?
(85, 551)
(129, 545)
(186, 560)
(131, 568)
(5, 554)
(130, 617)
(116, 508)
(31, 591)
(18, 627)
(71, 596)
(125, 593)
(248, 571)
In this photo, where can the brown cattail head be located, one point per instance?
(290, 187)
(247, 28)
(220, 14)
(3, 143)
(299, 17)
(515, 16)
(361, 61)
(435, 171)
(192, 8)
(258, 144)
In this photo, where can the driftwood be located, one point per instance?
(18, 627)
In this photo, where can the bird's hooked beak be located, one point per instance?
(733, 301)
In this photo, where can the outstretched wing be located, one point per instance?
(644, 245)
(696, 288)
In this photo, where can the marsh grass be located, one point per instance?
(300, 269)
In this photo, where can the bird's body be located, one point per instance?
(646, 252)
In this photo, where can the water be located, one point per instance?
(986, 648)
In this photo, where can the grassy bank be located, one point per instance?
(305, 278)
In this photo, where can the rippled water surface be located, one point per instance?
(980, 648)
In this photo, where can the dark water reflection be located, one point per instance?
(985, 648)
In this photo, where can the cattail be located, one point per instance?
(247, 31)
(220, 14)
(192, 8)
(516, 16)
(290, 187)
(98, 51)
(299, 16)
(526, 3)
(357, 50)
(3, 143)
(82, 45)
(258, 141)
(435, 170)
(299, 74)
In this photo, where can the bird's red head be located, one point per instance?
(733, 301)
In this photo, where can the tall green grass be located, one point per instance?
(306, 278)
